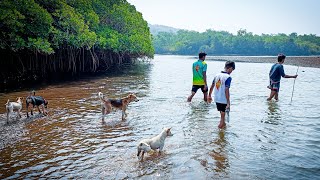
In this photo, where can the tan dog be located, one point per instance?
(107, 104)
(14, 106)
(154, 143)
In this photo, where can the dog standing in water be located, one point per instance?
(107, 104)
(154, 143)
(14, 106)
(36, 101)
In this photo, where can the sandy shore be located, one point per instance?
(12, 132)
(304, 61)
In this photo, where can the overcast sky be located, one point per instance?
(257, 16)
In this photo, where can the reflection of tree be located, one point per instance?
(219, 154)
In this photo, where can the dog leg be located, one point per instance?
(139, 151)
(160, 150)
(8, 114)
(124, 114)
(103, 112)
(142, 155)
(123, 118)
(39, 109)
(43, 110)
(27, 111)
(19, 113)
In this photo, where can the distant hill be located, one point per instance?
(155, 29)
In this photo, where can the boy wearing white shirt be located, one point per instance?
(221, 84)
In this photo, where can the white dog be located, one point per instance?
(14, 106)
(154, 143)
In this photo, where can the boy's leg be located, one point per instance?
(205, 93)
(277, 92)
(222, 123)
(205, 96)
(221, 108)
(193, 92)
(191, 96)
(272, 94)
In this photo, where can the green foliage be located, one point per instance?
(47, 26)
(22, 20)
(244, 43)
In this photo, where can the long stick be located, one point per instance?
(293, 85)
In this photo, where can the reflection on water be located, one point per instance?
(263, 140)
(274, 113)
(219, 154)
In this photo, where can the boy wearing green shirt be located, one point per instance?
(199, 69)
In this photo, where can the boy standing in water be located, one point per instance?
(275, 74)
(221, 84)
(199, 69)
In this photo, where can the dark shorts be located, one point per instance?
(274, 86)
(196, 87)
(221, 107)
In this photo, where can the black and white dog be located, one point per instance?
(36, 101)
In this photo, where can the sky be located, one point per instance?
(256, 16)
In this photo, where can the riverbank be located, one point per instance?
(11, 132)
(304, 61)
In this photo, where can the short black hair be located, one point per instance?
(230, 64)
(202, 54)
(281, 57)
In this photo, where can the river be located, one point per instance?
(263, 140)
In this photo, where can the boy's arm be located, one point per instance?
(228, 84)
(205, 78)
(228, 98)
(288, 76)
(284, 75)
(211, 89)
(210, 92)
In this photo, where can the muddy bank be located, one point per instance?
(304, 61)
(12, 131)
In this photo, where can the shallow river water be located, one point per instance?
(263, 140)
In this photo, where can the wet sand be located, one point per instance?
(304, 61)
(12, 131)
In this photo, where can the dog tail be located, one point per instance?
(7, 102)
(100, 94)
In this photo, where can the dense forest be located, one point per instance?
(43, 39)
(213, 42)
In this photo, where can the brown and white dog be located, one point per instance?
(107, 104)
(154, 143)
(14, 106)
